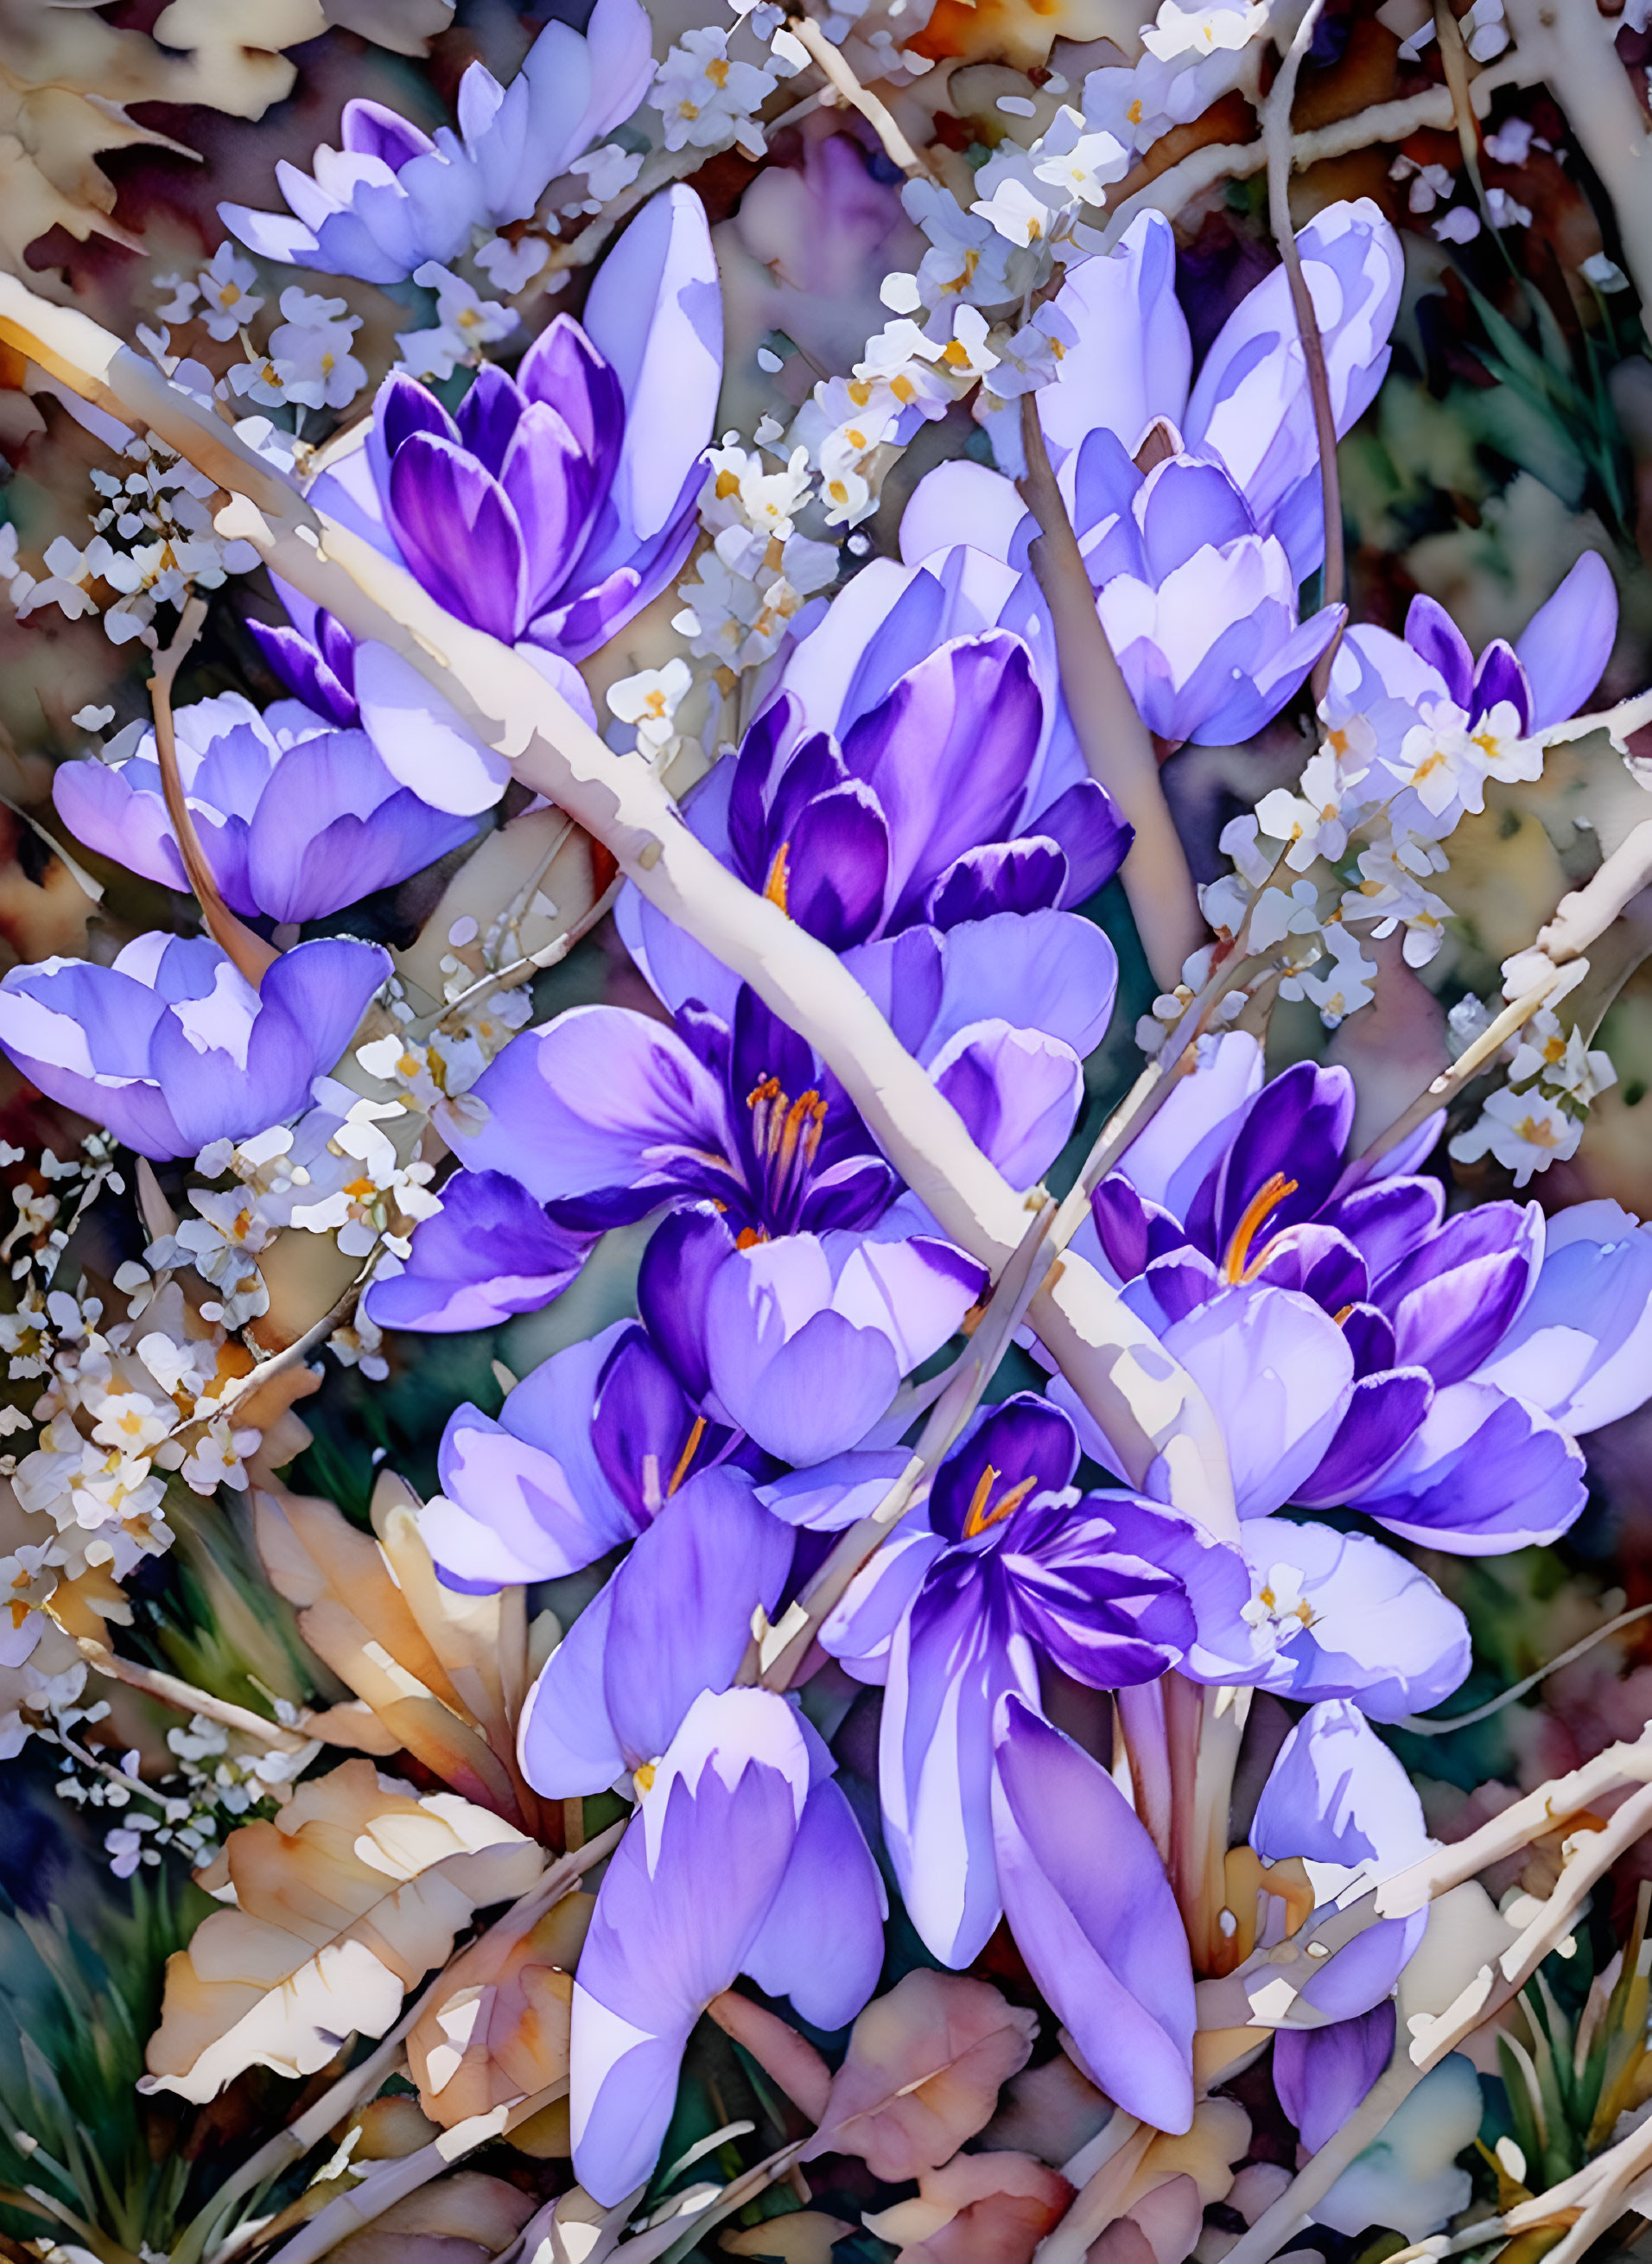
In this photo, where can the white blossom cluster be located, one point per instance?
(222, 1779)
(153, 544)
(752, 584)
(308, 360)
(1536, 1118)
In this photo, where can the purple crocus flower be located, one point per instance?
(607, 1116)
(1338, 1797)
(1198, 515)
(551, 510)
(295, 819)
(488, 1253)
(988, 1810)
(1446, 1437)
(392, 198)
(1323, 2075)
(800, 1911)
(917, 767)
(1383, 686)
(586, 1451)
(170, 1047)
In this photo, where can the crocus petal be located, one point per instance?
(1092, 1914)
(1454, 1297)
(1276, 1372)
(1565, 646)
(603, 1101)
(459, 533)
(1484, 1473)
(1336, 1795)
(489, 1252)
(821, 1943)
(1322, 2075)
(1581, 1349)
(534, 1476)
(861, 1628)
(566, 1741)
(1134, 355)
(683, 1601)
(422, 738)
(1018, 1092)
(675, 1921)
(1168, 1161)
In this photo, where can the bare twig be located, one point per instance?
(172, 1691)
(1276, 135)
(1420, 1726)
(248, 953)
(876, 113)
(1116, 743)
(1587, 913)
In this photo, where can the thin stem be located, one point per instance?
(876, 113)
(1116, 743)
(1420, 1726)
(1276, 135)
(173, 1692)
(248, 952)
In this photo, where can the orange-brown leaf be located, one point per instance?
(497, 2030)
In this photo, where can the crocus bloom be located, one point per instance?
(606, 1116)
(295, 819)
(171, 1047)
(489, 1252)
(391, 198)
(752, 1332)
(917, 767)
(1444, 1437)
(799, 1909)
(587, 1449)
(549, 511)
(982, 1799)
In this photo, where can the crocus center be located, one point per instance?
(775, 887)
(643, 1779)
(786, 1137)
(651, 1494)
(983, 1511)
(1237, 1266)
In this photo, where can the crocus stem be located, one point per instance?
(876, 113)
(1276, 135)
(1419, 1725)
(248, 953)
(1141, 1724)
(1116, 743)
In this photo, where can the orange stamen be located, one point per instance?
(774, 887)
(687, 1456)
(1266, 1200)
(980, 1517)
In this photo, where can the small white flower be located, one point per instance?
(1525, 1131)
(180, 305)
(608, 168)
(705, 99)
(1504, 212)
(1604, 273)
(512, 267)
(1460, 225)
(465, 323)
(651, 700)
(1201, 31)
(225, 287)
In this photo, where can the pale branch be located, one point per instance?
(876, 113)
(1116, 743)
(1524, 1821)
(1149, 1407)
(1588, 912)
(1444, 1089)
(1204, 168)
(1419, 1725)
(1276, 140)
(247, 953)
(1290, 2212)
(1629, 715)
(1100, 2200)
(170, 1691)
(1572, 49)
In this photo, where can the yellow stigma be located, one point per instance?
(644, 1779)
(683, 1461)
(717, 70)
(983, 1512)
(774, 887)
(1266, 1200)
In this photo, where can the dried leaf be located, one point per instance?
(351, 1896)
(922, 2074)
(498, 2029)
(458, 2219)
(802, 2235)
(442, 1673)
(979, 2208)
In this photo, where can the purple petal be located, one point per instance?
(1026, 875)
(1336, 1795)
(422, 738)
(837, 865)
(1498, 679)
(1276, 1372)
(1018, 1092)
(821, 1943)
(1582, 1347)
(1290, 1145)
(459, 533)
(373, 131)
(683, 1606)
(488, 416)
(1322, 2075)
(643, 1430)
(567, 1741)
(1384, 1411)
(1168, 1162)
(1454, 1297)
(1134, 355)
(1429, 630)
(1386, 1218)
(487, 1252)
(861, 1629)
(685, 1252)
(1093, 1916)
(304, 672)
(1091, 834)
(1565, 646)
(1484, 1473)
